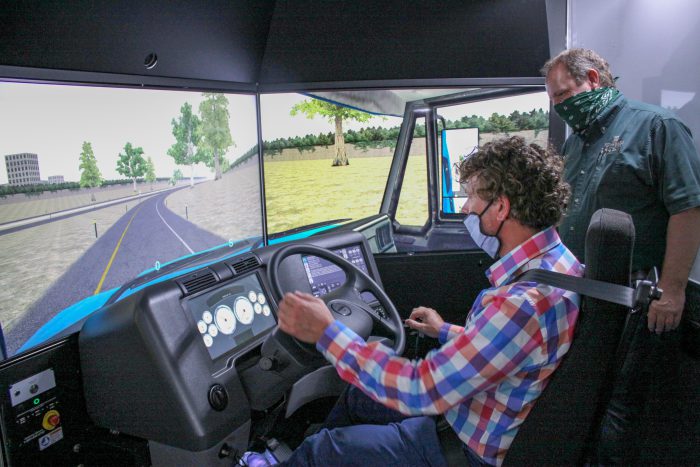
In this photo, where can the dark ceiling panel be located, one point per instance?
(313, 41)
(210, 40)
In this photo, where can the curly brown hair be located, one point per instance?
(530, 176)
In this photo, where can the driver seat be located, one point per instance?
(560, 428)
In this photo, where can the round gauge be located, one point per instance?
(206, 317)
(258, 308)
(266, 310)
(252, 296)
(202, 326)
(244, 310)
(213, 330)
(261, 299)
(208, 341)
(224, 319)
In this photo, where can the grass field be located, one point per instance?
(300, 193)
(229, 208)
(32, 259)
(309, 191)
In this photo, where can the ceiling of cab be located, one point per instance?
(382, 101)
(269, 44)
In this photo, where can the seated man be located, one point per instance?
(487, 374)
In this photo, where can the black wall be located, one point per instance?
(274, 42)
(400, 39)
(212, 40)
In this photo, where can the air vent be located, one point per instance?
(198, 281)
(383, 237)
(245, 265)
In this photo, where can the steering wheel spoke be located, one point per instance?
(344, 292)
(388, 326)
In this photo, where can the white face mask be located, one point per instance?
(489, 243)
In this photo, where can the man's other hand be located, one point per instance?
(303, 316)
(425, 320)
(665, 313)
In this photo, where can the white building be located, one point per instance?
(22, 169)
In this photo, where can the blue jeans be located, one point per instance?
(360, 431)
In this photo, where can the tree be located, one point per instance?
(501, 123)
(335, 114)
(177, 175)
(131, 164)
(214, 132)
(90, 176)
(185, 151)
(150, 176)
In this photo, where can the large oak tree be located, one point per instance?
(335, 114)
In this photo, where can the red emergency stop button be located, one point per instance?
(51, 420)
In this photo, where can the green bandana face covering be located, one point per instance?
(580, 110)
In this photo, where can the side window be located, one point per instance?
(412, 209)
(465, 127)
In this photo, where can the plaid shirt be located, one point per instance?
(487, 374)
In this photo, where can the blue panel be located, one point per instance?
(448, 205)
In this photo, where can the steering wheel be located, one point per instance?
(345, 302)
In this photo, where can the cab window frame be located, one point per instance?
(397, 172)
(438, 216)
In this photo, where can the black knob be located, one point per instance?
(218, 397)
(267, 363)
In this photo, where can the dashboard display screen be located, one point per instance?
(232, 315)
(324, 276)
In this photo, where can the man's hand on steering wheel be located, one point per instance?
(303, 316)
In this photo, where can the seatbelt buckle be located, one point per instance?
(647, 290)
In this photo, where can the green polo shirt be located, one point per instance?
(636, 158)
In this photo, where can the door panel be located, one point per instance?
(446, 281)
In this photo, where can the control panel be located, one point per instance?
(36, 411)
(43, 420)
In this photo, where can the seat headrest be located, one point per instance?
(609, 246)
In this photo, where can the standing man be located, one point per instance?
(640, 159)
(633, 157)
(489, 372)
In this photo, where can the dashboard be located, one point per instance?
(183, 363)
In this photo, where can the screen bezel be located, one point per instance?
(358, 245)
(240, 347)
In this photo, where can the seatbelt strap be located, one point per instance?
(641, 295)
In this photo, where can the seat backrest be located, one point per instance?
(561, 425)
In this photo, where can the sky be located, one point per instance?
(53, 121)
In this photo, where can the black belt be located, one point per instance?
(644, 292)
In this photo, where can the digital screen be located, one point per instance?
(232, 315)
(325, 276)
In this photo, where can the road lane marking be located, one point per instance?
(114, 253)
(173, 231)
